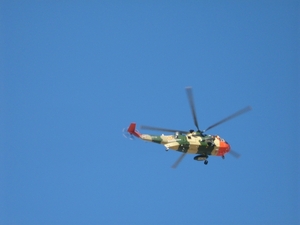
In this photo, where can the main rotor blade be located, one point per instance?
(162, 129)
(191, 101)
(244, 110)
(178, 160)
(234, 154)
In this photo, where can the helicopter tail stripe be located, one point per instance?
(133, 131)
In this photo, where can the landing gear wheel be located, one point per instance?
(205, 162)
(200, 157)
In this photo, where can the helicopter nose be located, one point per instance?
(227, 147)
(224, 148)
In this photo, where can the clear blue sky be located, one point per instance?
(75, 73)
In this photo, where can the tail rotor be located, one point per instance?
(127, 135)
(131, 132)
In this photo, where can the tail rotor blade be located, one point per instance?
(192, 105)
(127, 135)
(244, 110)
(178, 161)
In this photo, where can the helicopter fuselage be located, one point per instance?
(191, 143)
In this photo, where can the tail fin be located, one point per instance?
(131, 129)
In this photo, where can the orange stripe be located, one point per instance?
(223, 149)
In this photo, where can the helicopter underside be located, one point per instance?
(188, 144)
(196, 149)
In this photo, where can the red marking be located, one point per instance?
(131, 130)
(223, 149)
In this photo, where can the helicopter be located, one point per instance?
(190, 142)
